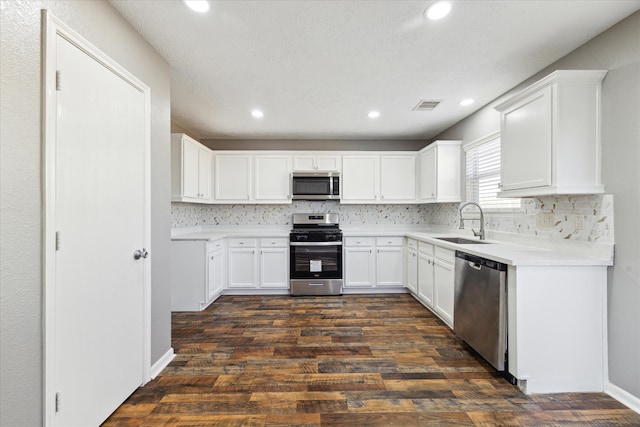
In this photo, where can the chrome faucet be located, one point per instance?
(462, 220)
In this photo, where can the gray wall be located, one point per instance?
(21, 374)
(616, 50)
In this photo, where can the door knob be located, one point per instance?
(140, 253)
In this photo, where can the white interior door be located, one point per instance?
(101, 192)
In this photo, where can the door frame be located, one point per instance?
(51, 28)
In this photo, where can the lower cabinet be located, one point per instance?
(444, 284)
(425, 273)
(374, 262)
(412, 266)
(274, 263)
(197, 273)
(435, 281)
(258, 263)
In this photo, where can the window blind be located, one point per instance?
(483, 176)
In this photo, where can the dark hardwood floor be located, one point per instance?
(372, 360)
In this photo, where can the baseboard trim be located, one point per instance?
(623, 397)
(162, 363)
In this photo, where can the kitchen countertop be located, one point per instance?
(505, 252)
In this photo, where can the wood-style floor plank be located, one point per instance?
(357, 360)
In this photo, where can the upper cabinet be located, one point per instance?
(272, 183)
(190, 170)
(398, 178)
(252, 178)
(378, 178)
(313, 162)
(550, 136)
(439, 172)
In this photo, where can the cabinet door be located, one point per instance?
(398, 178)
(272, 178)
(204, 174)
(526, 136)
(232, 177)
(389, 266)
(328, 162)
(216, 274)
(359, 267)
(190, 169)
(412, 270)
(444, 291)
(428, 172)
(274, 268)
(425, 279)
(242, 268)
(304, 163)
(360, 178)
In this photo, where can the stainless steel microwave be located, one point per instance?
(315, 185)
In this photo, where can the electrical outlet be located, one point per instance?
(545, 219)
(578, 221)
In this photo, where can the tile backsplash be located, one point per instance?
(191, 215)
(596, 212)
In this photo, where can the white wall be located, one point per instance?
(21, 374)
(616, 50)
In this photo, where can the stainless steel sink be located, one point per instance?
(461, 240)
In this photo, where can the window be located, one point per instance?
(483, 174)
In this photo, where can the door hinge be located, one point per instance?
(58, 80)
(57, 240)
(58, 401)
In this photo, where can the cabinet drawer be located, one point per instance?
(425, 248)
(446, 255)
(359, 241)
(215, 246)
(412, 243)
(389, 241)
(274, 242)
(237, 242)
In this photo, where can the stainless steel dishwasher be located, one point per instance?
(480, 306)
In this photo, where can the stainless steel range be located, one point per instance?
(315, 246)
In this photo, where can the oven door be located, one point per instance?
(316, 260)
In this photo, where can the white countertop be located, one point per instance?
(506, 252)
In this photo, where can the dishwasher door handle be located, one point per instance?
(475, 265)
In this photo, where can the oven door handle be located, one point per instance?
(315, 244)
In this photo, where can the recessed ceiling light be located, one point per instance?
(438, 10)
(373, 114)
(197, 5)
(257, 114)
(466, 102)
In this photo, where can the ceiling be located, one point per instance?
(316, 68)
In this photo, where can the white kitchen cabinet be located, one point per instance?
(389, 261)
(359, 262)
(190, 170)
(398, 178)
(360, 179)
(425, 273)
(412, 266)
(216, 269)
(242, 263)
(197, 273)
(274, 263)
(314, 162)
(233, 174)
(272, 178)
(444, 284)
(378, 178)
(374, 262)
(550, 136)
(439, 172)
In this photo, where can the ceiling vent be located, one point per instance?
(426, 105)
